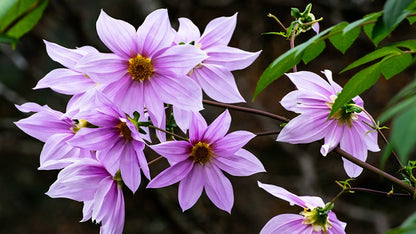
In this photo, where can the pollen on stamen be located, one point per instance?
(124, 131)
(201, 153)
(140, 68)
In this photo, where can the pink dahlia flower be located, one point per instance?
(316, 217)
(118, 144)
(313, 100)
(55, 129)
(144, 70)
(197, 163)
(88, 181)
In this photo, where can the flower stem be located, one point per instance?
(388, 194)
(374, 169)
(292, 43)
(246, 109)
(267, 133)
(170, 133)
(155, 160)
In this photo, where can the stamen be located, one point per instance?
(201, 153)
(140, 68)
(124, 131)
(318, 218)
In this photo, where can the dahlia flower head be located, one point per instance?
(313, 100)
(198, 163)
(316, 217)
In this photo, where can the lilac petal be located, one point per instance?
(277, 223)
(282, 193)
(111, 156)
(57, 164)
(82, 101)
(154, 104)
(218, 128)
(94, 138)
(231, 143)
(114, 220)
(337, 225)
(174, 151)
(130, 168)
(218, 32)
(173, 174)
(369, 136)
(182, 118)
(218, 83)
(65, 81)
(218, 188)
(141, 159)
(127, 94)
(190, 188)
(62, 55)
(177, 61)
(104, 199)
(111, 67)
(336, 87)
(315, 27)
(155, 33)
(302, 101)
(57, 148)
(42, 125)
(119, 36)
(354, 145)
(197, 127)
(187, 31)
(287, 223)
(33, 107)
(230, 58)
(180, 91)
(87, 210)
(305, 80)
(243, 163)
(332, 138)
(305, 128)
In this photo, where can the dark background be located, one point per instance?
(24, 208)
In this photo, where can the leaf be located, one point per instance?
(397, 108)
(356, 85)
(410, 44)
(285, 62)
(379, 35)
(313, 51)
(388, 50)
(7, 39)
(395, 12)
(407, 227)
(357, 23)
(28, 21)
(5, 7)
(343, 41)
(403, 136)
(411, 19)
(394, 64)
(12, 15)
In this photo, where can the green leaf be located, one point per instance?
(395, 12)
(5, 7)
(410, 44)
(411, 19)
(394, 64)
(7, 39)
(357, 23)
(28, 20)
(388, 50)
(379, 35)
(313, 51)
(397, 108)
(356, 85)
(343, 41)
(388, 149)
(403, 136)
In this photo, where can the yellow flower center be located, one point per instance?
(201, 153)
(317, 218)
(124, 131)
(342, 115)
(78, 124)
(140, 68)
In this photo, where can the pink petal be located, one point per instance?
(87, 210)
(182, 118)
(354, 145)
(112, 155)
(114, 220)
(103, 68)
(218, 188)
(197, 127)
(305, 128)
(142, 159)
(34, 107)
(230, 58)
(103, 199)
(65, 81)
(172, 175)
(337, 225)
(218, 83)
(315, 27)
(369, 136)
(336, 87)
(218, 32)
(154, 104)
(62, 55)
(130, 168)
(190, 188)
(283, 194)
(243, 163)
(218, 128)
(56, 148)
(305, 102)
(174, 151)
(231, 143)
(155, 33)
(277, 223)
(305, 80)
(94, 138)
(119, 36)
(187, 31)
(332, 138)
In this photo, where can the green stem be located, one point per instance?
(170, 133)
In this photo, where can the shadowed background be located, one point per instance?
(24, 208)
